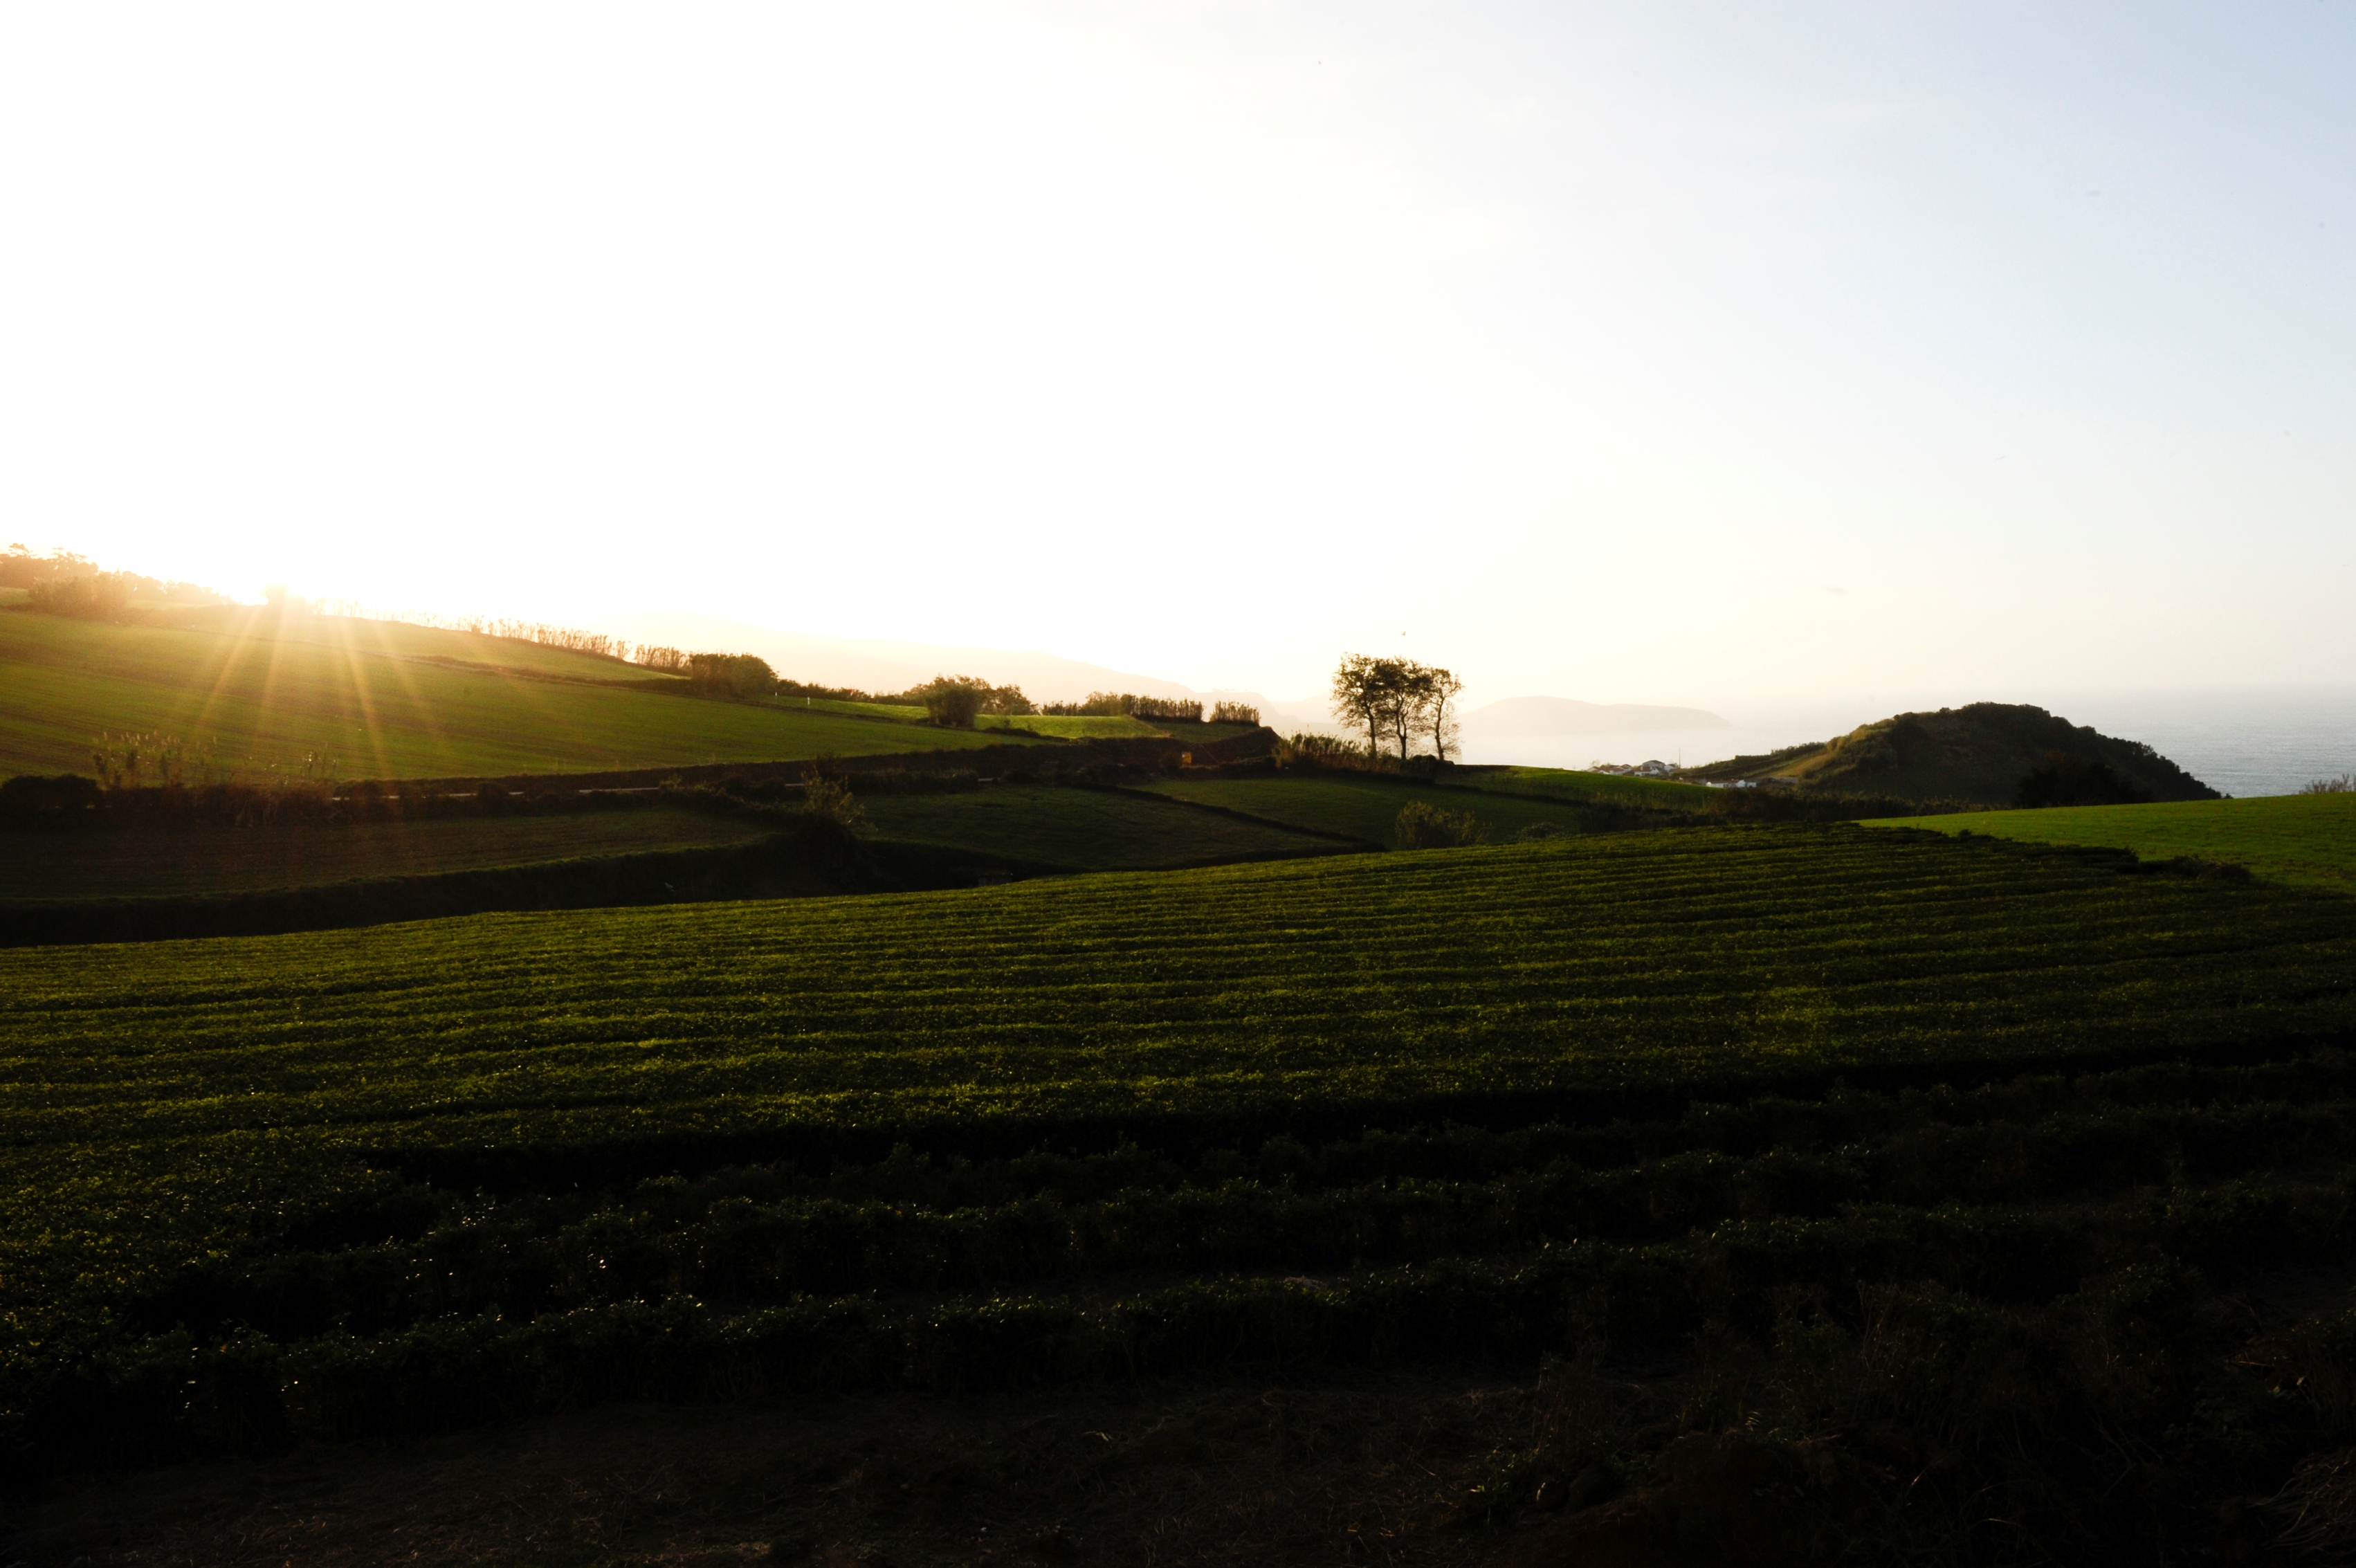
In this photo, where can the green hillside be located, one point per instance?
(1981, 753)
(371, 698)
(2309, 839)
(182, 862)
(1079, 830)
(1364, 805)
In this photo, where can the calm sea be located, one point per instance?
(2247, 741)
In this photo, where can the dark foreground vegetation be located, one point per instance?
(2000, 1197)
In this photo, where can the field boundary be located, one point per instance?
(783, 865)
(1351, 841)
(1139, 752)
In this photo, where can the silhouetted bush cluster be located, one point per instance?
(730, 675)
(1422, 826)
(1235, 714)
(62, 582)
(1128, 704)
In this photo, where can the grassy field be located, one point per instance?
(1497, 1102)
(1057, 727)
(1575, 784)
(1085, 727)
(1078, 830)
(376, 700)
(1364, 806)
(184, 862)
(2309, 839)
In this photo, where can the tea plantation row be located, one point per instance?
(1516, 1101)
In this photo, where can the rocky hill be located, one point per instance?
(1994, 754)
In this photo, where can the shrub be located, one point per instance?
(2343, 785)
(952, 700)
(147, 758)
(1128, 704)
(730, 675)
(1331, 752)
(1235, 714)
(29, 794)
(104, 596)
(1422, 826)
(829, 800)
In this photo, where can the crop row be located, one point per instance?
(475, 1164)
(522, 1256)
(2145, 1257)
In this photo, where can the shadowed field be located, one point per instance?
(1364, 806)
(1080, 830)
(199, 861)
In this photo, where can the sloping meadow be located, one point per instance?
(1504, 1101)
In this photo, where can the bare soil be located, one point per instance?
(1379, 1472)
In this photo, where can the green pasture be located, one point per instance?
(890, 712)
(1576, 784)
(2307, 839)
(352, 637)
(1362, 805)
(184, 862)
(373, 700)
(1079, 830)
(1053, 726)
(162, 1102)
(1081, 727)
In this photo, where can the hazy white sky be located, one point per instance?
(1700, 354)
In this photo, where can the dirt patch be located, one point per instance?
(1378, 1471)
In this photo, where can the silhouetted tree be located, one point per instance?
(1440, 689)
(1361, 687)
(1396, 699)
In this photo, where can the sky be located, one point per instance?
(1707, 354)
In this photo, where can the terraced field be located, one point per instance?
(1364, 806)
(2305, 839)
(201, 861)
(1080, 830)
(367, 699)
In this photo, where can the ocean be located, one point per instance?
(2241, 741)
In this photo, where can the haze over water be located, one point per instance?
(2243, 741)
